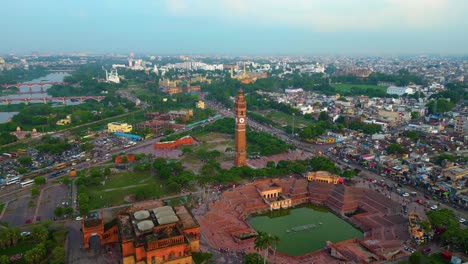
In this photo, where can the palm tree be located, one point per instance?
(4, 259)
(39, 234)
(15, 235)
(263, 241)
(5, 238)
(275, 239)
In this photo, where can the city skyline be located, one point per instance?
(389, 27)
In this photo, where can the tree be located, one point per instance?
(66, 180)
(15, 235)
(412, 135)
(39, 180)
(39, 234)
(186, 150)
(58, 211)
(395, 148)
(57, 256)
(263, 241)
(348, 174)
(107, 171)
(34, 191)
(25, 160)
(252, 258)
(5, 238)
(439, 106)
(323, 116)
(415, 258)
(4, 259)
(415, 115)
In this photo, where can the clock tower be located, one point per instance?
(240, 110)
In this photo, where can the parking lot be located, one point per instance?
(18, 211)
(52, 197)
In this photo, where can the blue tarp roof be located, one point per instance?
(134, 137)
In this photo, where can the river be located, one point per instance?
(52, 77)
(5, 115)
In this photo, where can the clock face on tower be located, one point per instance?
(241, 120)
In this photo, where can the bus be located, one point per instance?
(27, 183)
(60, 166)
(21, 151)
(12, 180)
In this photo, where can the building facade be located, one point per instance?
(119, 127)
(399, 90)
(324, 177)
(163, 234)
(240, 109)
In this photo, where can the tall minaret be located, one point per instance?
(240, 110)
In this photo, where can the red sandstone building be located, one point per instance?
(163, 234)
(240, 108)
(187, 140)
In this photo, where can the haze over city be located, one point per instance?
(234, 131)
(241, 27)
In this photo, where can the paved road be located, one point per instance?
(370, 174)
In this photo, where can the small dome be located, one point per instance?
(18, 129)
(34, 130)
(141, 215)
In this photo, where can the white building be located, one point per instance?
(399, 90)
(113, 76)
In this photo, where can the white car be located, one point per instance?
(462, 220)
(78, 218)
(434, 207)
(405, 195)
(25, 233)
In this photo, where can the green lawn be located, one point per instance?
(347, 87)
(2, 206)
(118, 186)
(284, 119)
(21, 247)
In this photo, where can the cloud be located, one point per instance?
(328, 15)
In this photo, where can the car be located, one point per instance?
(461, 220)
(405, 194)
(38, 219)
(426, 250)
(78, 218)
(434, 207)
(25, 233)
(28, 221)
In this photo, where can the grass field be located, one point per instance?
(347, 87)
(284, 119)
(118, 186)
(209, 141)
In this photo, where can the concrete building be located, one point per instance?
(459, 124)
(399, 90)
(119, 127)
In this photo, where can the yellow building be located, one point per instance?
(201, 105)
(272, 195)
(65, 121)
(323, 176)
(119, 127)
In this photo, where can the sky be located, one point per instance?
(236, 27)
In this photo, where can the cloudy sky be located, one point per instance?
(236, 27)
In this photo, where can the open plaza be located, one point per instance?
(224, 222)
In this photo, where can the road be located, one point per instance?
(314, 149)
(405, 188)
